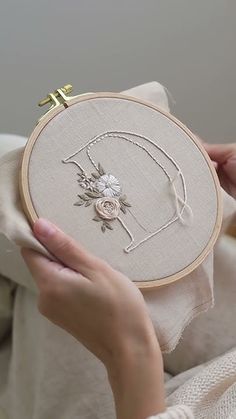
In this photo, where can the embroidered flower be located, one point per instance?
(104, 191)
(108, 185)
(107, 208)
(86, 182)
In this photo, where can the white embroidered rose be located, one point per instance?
(108, 208)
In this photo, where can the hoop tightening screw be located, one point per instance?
(65, 89)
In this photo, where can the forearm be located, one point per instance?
(137, 382)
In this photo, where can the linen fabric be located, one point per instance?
(212, 334)
(34, 382)
(143, 180)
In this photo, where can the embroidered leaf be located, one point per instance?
(123, 209)
(97, 218)
(93, 194)
(103, 228)
(122, 198)
(101, 170)
(79, 203)
(95, 175)
(87, 203)
(127, 204)
(109, 226)
(84, 197)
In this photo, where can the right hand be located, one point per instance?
(106, 312)
(225, 157)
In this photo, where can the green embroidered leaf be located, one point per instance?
(96, 175)
(109, 226)
(97, 218)
(127, 204)
(101, 170)
(92, 194)
(79, 203)
(122, 198)
(87, 203)
(84, 197)
(123, 209)
(103, 228)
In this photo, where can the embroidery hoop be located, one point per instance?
(29, 205)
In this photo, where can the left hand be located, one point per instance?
(224, 156)
(105, 311)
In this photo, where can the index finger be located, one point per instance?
(220, 153)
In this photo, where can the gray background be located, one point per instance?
(187, 45)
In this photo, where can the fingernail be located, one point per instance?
(44, 228)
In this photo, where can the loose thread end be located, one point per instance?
(186, 209)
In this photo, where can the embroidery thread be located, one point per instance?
(104, 190)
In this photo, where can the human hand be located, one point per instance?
(106, 312)
(225, 157)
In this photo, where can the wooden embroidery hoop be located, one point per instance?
(59, 101)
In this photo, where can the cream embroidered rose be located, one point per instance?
(107, 208)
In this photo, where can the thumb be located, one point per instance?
(66, 250)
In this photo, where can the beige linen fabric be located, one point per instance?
(143, 181)
(73, 383)
(214, 332)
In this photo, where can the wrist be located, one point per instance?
(131, 344)
(137, 380)
(132, 359)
